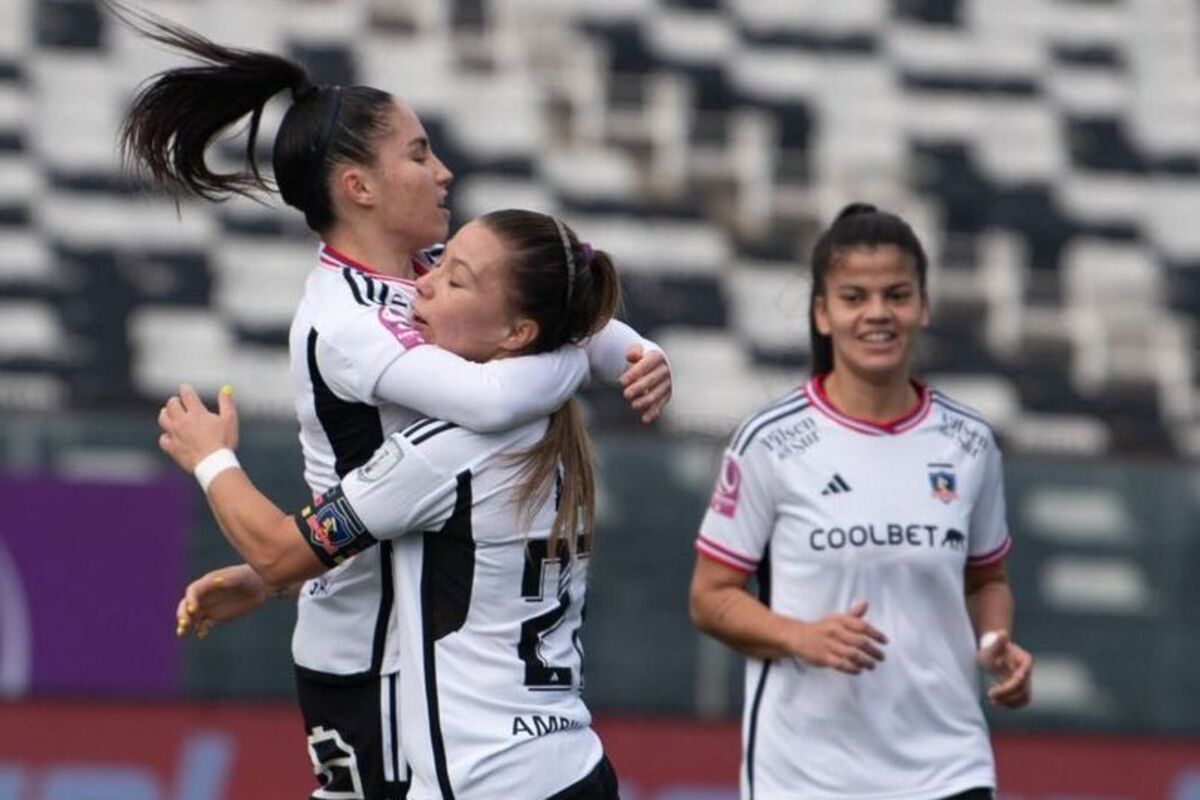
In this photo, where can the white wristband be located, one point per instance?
(213, 465)
(988, 639)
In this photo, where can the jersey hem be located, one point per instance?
(919, 794)
(339, 679)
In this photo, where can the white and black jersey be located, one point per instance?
(828, 510)
(351, 324)
(360, 373)
(491, 673)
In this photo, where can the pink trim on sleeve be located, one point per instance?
(994, 557)
(724, 555)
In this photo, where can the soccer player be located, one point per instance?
(871, 510)
(491, 533)
(358, 164)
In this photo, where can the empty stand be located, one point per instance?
(1046, 150)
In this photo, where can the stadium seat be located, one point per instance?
(1046, 151)
(31, 329)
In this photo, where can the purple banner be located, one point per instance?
(90, 574)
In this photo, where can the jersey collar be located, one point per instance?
(332, 258)
(815, 390)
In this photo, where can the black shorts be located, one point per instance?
(353, 736)
(973, 794)
(599, 784)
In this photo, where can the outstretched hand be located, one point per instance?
(1011, 668)
(190, 431)
(220, 596)
(845, 642)
(647, 382)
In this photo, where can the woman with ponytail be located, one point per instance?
(488, 535)
(357, 163)
(871, 509)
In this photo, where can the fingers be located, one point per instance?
(170, 413)
(648, 385)
(634, 354)
(653, 402)
(189, 399)
(860, 648)
(1016, 688)
(182, 618)
(1010, 694)
(227, 410)
(644, 376)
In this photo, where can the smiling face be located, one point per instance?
(409, 184)
(872, 307)
(464, 305)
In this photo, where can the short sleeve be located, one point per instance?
(741, 512)
(396, 492)
(351, 357)
(989, 537)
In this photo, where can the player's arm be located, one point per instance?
(990, 607)
(989, 597)
(619, 354)
(395, 492)
(222, 595)
(489, 396)
(721, 607)
(734, 534)
(263, 535)
(503, 393)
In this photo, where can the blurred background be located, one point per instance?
(1046, 151)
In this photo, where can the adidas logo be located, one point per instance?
(836, 485)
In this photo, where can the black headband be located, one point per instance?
(333, 103)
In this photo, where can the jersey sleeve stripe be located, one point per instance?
(724, 555)
(748, 437)
(994, 557)
(425, 422)
(442, 427)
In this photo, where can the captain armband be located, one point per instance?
(332, 529)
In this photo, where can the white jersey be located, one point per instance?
(828, 510)
(351, 324)
(359, 374)
(491, 675)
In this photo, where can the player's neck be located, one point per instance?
(376, 250)
(875, 401)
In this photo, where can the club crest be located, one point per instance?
(943, 482)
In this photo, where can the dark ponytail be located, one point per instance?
(571, 291)
(857, 225)
(176, 116)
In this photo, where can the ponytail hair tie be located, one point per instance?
(585, 249)
(303, 89)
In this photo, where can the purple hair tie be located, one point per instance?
(588, 253)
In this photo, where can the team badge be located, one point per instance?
(725, 496)
(941, 478)
(334, 527)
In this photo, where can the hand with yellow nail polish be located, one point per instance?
(189, 431)
(218, 597)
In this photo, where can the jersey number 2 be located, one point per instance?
(538, 674)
